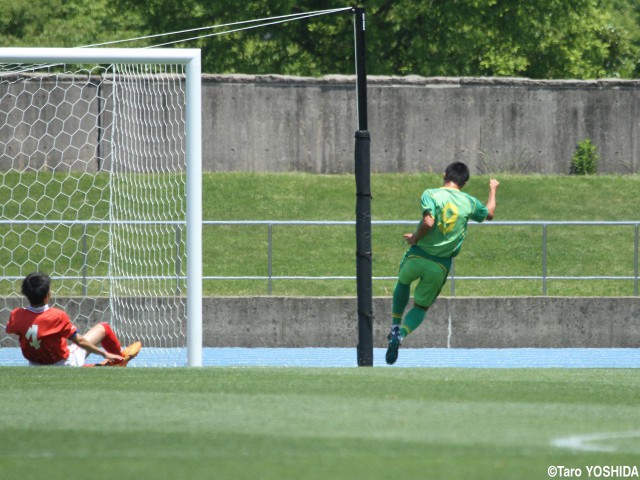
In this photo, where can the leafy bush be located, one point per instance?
(585, 159)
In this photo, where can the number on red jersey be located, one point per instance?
(32, 334)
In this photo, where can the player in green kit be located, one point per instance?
(438, 238)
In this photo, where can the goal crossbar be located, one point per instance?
(100, 55)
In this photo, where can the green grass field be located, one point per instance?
(291, 423)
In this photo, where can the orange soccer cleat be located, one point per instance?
(128, 354)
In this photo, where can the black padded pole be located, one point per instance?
(363, 202)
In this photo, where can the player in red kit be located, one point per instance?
(43, 332)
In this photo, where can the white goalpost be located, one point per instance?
(101, 186)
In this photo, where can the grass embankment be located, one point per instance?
(330, 250)
(488, 251)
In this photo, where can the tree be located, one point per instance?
(530, 38)
(312, 46)
(60, 23)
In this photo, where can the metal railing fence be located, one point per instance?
(543, 277)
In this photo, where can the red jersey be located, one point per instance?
(42, 332)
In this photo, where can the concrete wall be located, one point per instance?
(273, 123)
(454, 322)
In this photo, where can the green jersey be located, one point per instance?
(451, 209)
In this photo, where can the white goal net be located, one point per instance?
(98, 189)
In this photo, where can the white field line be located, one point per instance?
(595, 442)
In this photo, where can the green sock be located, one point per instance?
(401, 296)
(412, 320)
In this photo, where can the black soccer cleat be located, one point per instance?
(395, 339)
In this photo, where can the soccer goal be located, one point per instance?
(100, 187)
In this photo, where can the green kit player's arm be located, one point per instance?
(426, 224)
(491, 202)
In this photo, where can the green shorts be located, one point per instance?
(429, 271)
